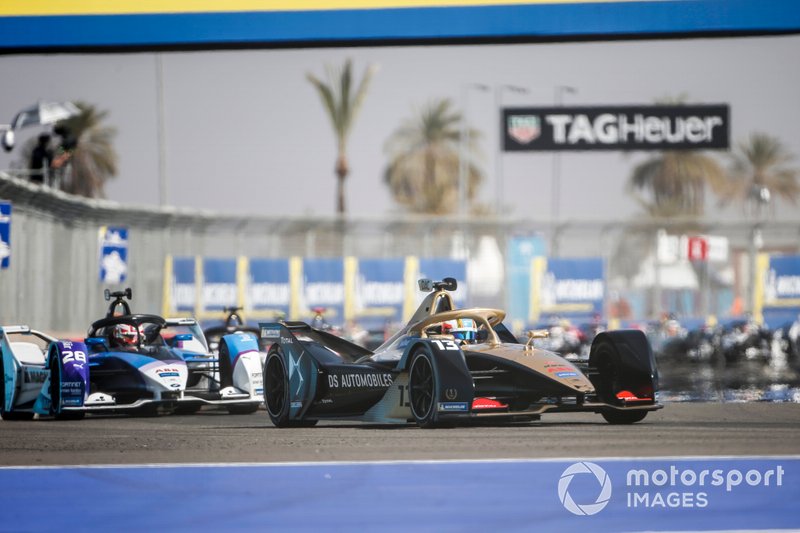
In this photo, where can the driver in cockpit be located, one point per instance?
(463, 330)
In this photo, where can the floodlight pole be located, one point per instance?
(498, 105)
(555, 198)
(463, 160)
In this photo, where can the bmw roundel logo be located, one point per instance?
(582, 469)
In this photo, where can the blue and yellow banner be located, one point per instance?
(150, 23)
(342, 289)
(573, 288)
(777, 289)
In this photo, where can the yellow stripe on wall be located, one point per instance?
(121, 7)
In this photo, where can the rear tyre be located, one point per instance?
(422, 384)
(624, 417)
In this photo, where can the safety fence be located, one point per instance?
(59, 256)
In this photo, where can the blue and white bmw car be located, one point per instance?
(128, 362)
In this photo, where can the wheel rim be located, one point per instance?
(421, 387)
(275, 386)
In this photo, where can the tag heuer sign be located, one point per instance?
(654, 127)
(523, 128)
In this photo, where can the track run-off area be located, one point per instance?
(689, 466)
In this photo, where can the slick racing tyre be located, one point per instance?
(624, 417)
(276, 393)
(422, 385)
(55, 393)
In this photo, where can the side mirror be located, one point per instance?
(449, 284)
(94, 341)
(184, 337)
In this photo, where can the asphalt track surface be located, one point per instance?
(680, 429)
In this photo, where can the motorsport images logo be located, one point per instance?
(584, 469)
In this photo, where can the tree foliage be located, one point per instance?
(424, 160)
(342, 99)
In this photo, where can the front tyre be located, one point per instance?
(55, 395)
(617, 417)
(422, 387)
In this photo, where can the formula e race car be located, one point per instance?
(449, 366)
(128, 363)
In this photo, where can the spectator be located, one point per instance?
(41, 159)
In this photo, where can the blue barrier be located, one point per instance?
(654, 494)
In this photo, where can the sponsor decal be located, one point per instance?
(451, 394)
(359, 380)
(658, 127)
(168, 374)
(560, 368)
(296, 404)
(5, 234)
(270, 333)
(113, 255)
(524, 128)
(665, 487)
(487, 403)
(584, 469)
(453, 406)
(269, 294)
(566, 374)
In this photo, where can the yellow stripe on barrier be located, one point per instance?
(123, 7)
(199, 282)
(350, 272)
(242, 281)
(410, 282)
(538, 268)
(758, 280)
(166, 295)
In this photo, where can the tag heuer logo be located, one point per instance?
(524, 128)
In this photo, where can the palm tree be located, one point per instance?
(88, 148)
(341, 104)
(424, 162)
(758, 171)
(674, 183)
